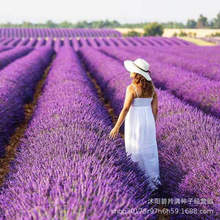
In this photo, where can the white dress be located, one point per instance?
(140, 138)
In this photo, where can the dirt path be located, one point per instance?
(106, 103)
(19, 132)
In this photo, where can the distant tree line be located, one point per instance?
(201, 22)
(151, 29)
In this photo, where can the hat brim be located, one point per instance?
(129, 65)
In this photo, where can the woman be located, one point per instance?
(140, 114)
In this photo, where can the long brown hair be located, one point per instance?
(147, 86)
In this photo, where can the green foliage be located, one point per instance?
(182, 33)
(202, 22)
(135, 25)
(192, 34)
(216, 21)
(66, 24)
(97, 24)
(172, 24)
(51, 24)
(191, 23)
(153, 29)
(217, 34)
(132, 33)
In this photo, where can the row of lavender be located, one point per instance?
(17, 85)
(57, 32)
(188, 140)
(191, 87)
(7, 56)
(203, 61)
(185, 83)
(167, 52)
(171, 45)
(66, 167)
(96, 42)
(4, 48)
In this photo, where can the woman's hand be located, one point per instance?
(114, 132)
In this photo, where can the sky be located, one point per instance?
(124, 11)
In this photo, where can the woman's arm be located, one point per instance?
(127, 103)
(154, 105)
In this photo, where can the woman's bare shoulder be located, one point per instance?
(129, 87)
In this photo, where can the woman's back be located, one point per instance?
(141, 101)
(140, 137)
(139, 92)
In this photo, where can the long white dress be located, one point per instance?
(140, 138)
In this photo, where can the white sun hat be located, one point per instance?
(138, 66)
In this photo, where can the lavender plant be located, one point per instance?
(17, 85)
(188, 139)
(66, 167)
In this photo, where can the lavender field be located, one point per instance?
(64, 165)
